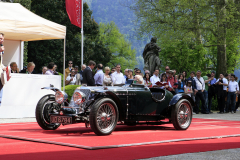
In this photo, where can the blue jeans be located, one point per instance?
(231, 98)
(205, 94)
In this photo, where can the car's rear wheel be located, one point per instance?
(44, 107)
(103, 116)
(182, 115)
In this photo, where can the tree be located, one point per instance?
(176, 20)
(121, 50)
(43, 52)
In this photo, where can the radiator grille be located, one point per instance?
(87, 92)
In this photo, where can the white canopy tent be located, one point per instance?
(20, 24)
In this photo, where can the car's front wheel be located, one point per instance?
(103, 116)
(44, 107)
(182, 115)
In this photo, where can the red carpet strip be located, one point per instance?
(124, 136)
(23, 150)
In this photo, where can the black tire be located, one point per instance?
(103, 116)
(42, 113)
(181, 115)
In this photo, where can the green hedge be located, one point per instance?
(69, 90)
(61, 78)
(214, 104)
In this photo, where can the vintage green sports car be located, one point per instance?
(104, 107)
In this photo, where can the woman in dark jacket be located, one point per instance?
(181, 83)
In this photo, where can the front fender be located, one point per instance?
(116, 99)
(178, 97)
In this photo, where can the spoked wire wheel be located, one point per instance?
(104, 116)
(182, 115)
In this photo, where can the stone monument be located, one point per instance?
(151, 56)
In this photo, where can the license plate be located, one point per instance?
(61, 119)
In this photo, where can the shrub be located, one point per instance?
(61, 78)
(69, 90)
(214, 104)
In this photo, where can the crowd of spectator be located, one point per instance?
(201, 88)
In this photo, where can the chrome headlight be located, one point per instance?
(78, 97)
(60, 97)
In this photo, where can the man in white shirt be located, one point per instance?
(155, 78)
(222, 84)
(233, 88)
(117, 76)
(98, 77)
(200, 87)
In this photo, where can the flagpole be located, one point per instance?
(82, 37)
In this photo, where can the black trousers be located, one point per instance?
(200, 96)
(1, 86)
(210, 97)
(237, 104)
(221, 101)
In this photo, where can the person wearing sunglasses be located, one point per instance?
(167, 69)
(68, 70)
(138, 72)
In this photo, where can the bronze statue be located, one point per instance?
(151, 56)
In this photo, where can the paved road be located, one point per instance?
(229, 154)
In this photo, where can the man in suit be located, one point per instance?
(14, 68)
(29, 69)
(81, 72)
(88, 74)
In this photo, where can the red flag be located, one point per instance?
(74, 11)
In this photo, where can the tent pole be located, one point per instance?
(82, 37)
(64, 54)
(21, 65)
